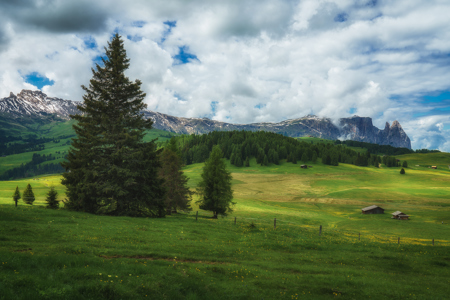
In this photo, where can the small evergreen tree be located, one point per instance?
(238, 161)
(247, 162)
(405, 164)
(16, 196)
(28, 195)
(178, 194)
(265, 161)
(305, 157)
(402, 171)
(214, 188)
(276, 159)
(51, 199)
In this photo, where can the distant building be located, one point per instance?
(373, 209)
(399, 215)
(434, 167)
(304, 166)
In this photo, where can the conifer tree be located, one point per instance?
(247, 162)
(16, 196)
(304, 157)
(51, 198)
(402, 171)
(110, 169)
(405, 164)
(214, 188)
(28, 195)
(178, 194)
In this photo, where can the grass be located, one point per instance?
(67, 255)
(70, 255)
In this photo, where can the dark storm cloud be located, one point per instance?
(56, 16)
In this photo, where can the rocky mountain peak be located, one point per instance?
(395, 124)
(36, 103)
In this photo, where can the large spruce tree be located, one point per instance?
(214, 188)
(110, 169)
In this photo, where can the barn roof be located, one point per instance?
(369, 208)
(397, 213)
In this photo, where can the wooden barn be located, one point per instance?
(434, 167)
(399, 215)
(304, 166)
(373, 209)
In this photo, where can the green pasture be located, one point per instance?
(60, 254)
(46, 254)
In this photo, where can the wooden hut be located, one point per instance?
(304, 166)
(399, 215)
(434, 167)
(373, 209)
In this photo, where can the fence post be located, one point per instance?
(196, 216)
(275, 223)
(399, 240)
(234, 220)
(320, 230)
(359, 236)
(433, 242)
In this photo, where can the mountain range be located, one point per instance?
(37, 104)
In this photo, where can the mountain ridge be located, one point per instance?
(36, 103)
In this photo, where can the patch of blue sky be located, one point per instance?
(259, 106)
(179, 98)
(441, 59)
(342, 17)
(183, 56)
(38, 80)
(98, 60)
(447, 126)
(214, 106)
(138, 24)
(134, 38)
(352, 110)
(166, 33)
(372, 3)
(90, 42)
(437, 98)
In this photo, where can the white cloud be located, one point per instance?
(258, 60)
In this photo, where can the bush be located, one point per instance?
(402, 171)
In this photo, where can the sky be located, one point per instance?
(245, 61)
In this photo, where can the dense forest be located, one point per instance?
(33, 168)
(238, 147)
(382, 149)
(270, 148)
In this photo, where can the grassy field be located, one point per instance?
(68, 255)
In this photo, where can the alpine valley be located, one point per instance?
(28, 107)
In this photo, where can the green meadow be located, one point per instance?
(61, 254)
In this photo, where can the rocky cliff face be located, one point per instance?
(36, 103)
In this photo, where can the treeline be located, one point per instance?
(375, 148)
(14, 145)
(33, 168)
(268, 148)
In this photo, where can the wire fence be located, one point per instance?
(350, 235)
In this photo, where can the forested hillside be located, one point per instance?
(269, 148)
